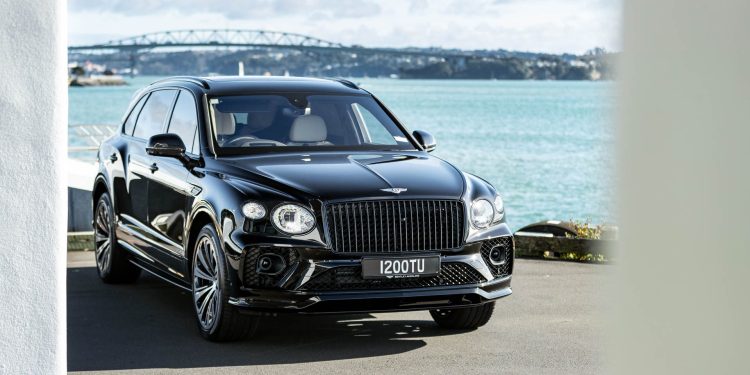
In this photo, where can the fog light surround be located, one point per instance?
(498, 256)
(270, 264)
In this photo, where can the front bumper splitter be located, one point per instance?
(343, 302)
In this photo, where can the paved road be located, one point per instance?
(551, 324)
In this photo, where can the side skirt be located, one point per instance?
(159, 275)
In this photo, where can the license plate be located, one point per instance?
(400, 267)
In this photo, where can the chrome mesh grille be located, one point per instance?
(350, 278)
(251, 278)
(506, 243)
(392, 226)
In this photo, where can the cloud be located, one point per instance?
(233, 10)
(532, 25)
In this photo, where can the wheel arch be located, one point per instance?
(100, 187)
(200, 217)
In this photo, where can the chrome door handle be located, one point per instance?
(153, 168)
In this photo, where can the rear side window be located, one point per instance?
(184, 120)
(154, 113)
(130, 122)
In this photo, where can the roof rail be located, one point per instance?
(344, 82)
(199, 81)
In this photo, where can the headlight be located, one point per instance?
(293, 219)
(499, 209)
(482, 213)
(253, 210)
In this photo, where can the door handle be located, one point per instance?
(153, 168)
(113, 157)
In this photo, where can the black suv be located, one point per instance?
(266, 195)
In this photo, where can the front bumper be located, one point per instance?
(374, 301)
(319, 281)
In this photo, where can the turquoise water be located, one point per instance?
(547, 146)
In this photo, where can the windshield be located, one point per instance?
(243, 123)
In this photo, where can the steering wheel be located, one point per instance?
(247, 141)
(267, 142)
(239, 141)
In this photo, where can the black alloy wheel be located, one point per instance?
(217, 319)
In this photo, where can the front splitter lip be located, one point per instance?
(341, 302)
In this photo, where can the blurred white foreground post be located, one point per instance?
(33, 104)
(682, 301)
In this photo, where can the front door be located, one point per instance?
(168, 189)
(140, 167)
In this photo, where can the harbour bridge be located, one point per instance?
(238, 38)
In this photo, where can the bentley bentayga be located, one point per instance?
(295, 195)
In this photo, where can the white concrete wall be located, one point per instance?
(682, 304)
(33, 143)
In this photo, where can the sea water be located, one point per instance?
(547, 146)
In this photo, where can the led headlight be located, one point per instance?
(499, 209)
(253, 210)
(293, 219)
(482, 213)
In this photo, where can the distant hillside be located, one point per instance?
(547, 67)
(495, 64)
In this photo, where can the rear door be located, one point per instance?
(168, 189)
(124, 193)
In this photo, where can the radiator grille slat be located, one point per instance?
(392, 226)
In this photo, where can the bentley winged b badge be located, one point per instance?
(394, 190)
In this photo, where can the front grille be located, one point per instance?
(395, 226)
(506, 243)
(350, 278)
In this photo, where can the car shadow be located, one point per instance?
(150, 325)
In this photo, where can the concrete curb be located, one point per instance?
(81, 241)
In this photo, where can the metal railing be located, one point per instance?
(84, 139)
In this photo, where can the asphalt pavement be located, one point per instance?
(551, 324)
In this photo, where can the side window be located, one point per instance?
(153, 114)
(184, 119)
(375, 132)
(130, 122)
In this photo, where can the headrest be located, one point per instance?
(224, 123)
(307, 129)
(260, 120)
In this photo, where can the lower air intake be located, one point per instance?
(350, 278)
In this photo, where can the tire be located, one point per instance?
(217, 320)
(463, 318)
(112, 262)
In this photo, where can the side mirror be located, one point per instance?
(425, 139)
(168, 144)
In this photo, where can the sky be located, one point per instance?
(560, 26)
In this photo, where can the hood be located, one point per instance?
(345, 175)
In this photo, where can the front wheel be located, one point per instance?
(217, 319)
(463, 318)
